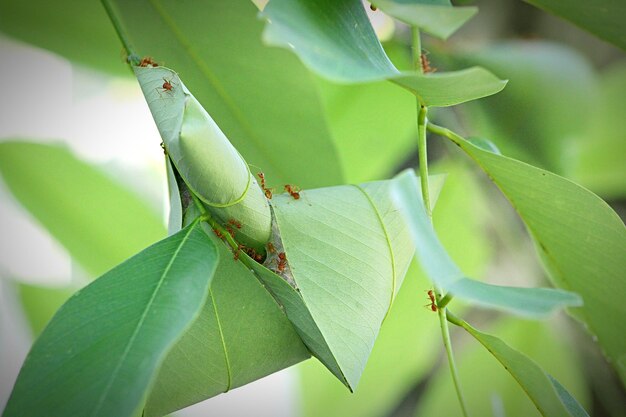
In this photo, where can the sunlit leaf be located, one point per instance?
(100, 222)
(101, 350)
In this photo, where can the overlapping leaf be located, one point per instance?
(335, 39)
(581, 240)
(531, 302)
(99, 354)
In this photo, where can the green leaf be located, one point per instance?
(208, 163)
(262, 98)
(101, 351)
(581, 240)
(603, 18)
(544, 80)
(534, 380)
(241, 335)
(441, 269)
(600, 155)
(438, 18)
(497, 392)
(61, 26)
(335, 39)
(408, 332)
(100, 222)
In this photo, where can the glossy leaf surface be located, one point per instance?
(101, 350)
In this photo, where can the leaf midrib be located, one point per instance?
(141, 321)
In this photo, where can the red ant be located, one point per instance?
(167, 87)
(270, 247)
(425, 63)
(237, 252)
(147, 61)
(282, 262)
(235, 223)
(267, 191)
(293, 190)
(218, 234)
(230, 231)
(433, 301)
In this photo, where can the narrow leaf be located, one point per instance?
(100, 222)
(581, 240)
(441, 269)
(336, 39)
(101, 350)
(535, 381)
(438, 18)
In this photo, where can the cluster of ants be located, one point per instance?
(230, 227)
(293, 190)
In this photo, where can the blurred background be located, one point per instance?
(71, 101)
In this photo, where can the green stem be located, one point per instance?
(133, 58)
(442, 131)
(422, 126)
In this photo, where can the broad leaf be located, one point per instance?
(498, 393)
(437, 17)
(335, 39)
(99, 222)
(262, 98)
(603, 18)
(552, 400)
(581, 240)
(441, 269)
(405, 350)
(241, 335)
(60, 27)
(100, 352)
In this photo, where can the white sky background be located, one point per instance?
(105, 121)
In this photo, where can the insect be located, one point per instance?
(230, 231)
(147, 61)
(433, 301)
(425, 63)
(270, 247)
(373, 8)
(293, 190)
(218, 234)
(167, 85)
(237, 252)
(235, 223)
(267, 191)
(282, 262)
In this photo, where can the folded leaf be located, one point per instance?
(551, 399)
(579, 237)
(99, 354)
(441, 269)
(438, 18)
(336, 39)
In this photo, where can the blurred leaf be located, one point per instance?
(40, 304)
(100, 352)
(407, 344)
(581, 240)
(545, 106)
(600, 159)
(241, 335)
(335, 39)
(262, 98)
(436, 17)
(603, 18)
(534, 380)
(98, 221)
(489, 389)
(441, 269)
(78, 30)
